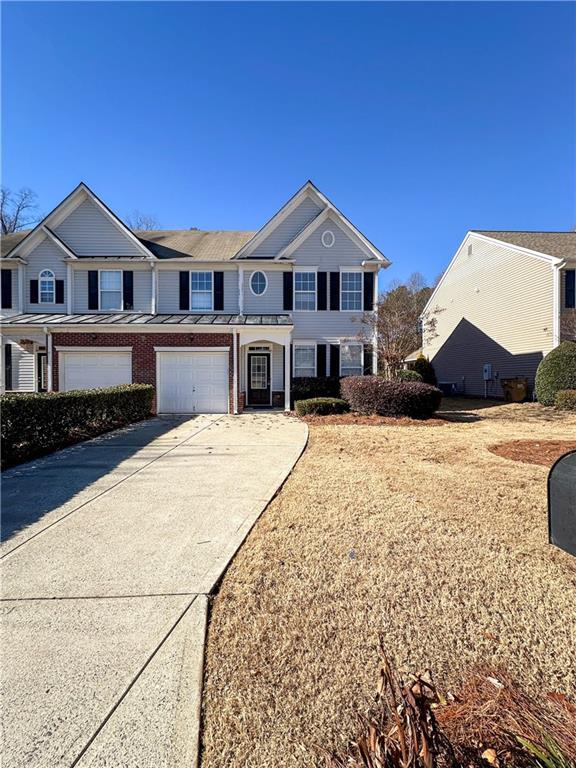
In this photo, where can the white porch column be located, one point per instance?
(235, 370)
(49, 359)
(287, 374)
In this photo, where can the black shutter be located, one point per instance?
(33, 291)
(8, 366)
(367, 360)
(288, 291)
(335, 291)
(59, 298)
(322, 290)
(93, 289)
(218, 291)
(334, 358)
(6, 299)
(128, 288)
(185, 290)
(321, 360)
(368, 291)
(570, 289)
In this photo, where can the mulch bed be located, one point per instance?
(357, 419)
(544, 452)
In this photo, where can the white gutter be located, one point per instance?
(68, 289)
(21, 288)
(49, 357)
(240, 290)
(556, 292)
(154, 286)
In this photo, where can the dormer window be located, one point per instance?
(47, 284)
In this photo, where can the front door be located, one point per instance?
(42, 371)
(259, 390)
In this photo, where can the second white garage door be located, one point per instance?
(82, 369)
(192, 382)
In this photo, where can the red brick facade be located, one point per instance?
(143, 354)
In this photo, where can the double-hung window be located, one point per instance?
(47, 287)
(305, 291)
(111, 289)
(351, 291)
(351, 359)
(201, 293)
(304, 360)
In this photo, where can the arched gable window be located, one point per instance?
(47, 285)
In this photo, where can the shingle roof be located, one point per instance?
(11, 241)
(139, 319)
(198, 244)
(559, 244)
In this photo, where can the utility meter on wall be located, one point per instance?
(487, 371)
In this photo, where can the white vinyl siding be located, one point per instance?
(269, 303)
(495, 306)
(287, 230)
(169, 291)
(88, 231)
(46, 256)
(23, 368)
(142, 289)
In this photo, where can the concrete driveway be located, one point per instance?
(111, 549)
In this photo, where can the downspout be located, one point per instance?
(235, 371)
(241, 290)
(49, 357)
(68, 289)
(154, 287)
(556, 316)
(21, 288)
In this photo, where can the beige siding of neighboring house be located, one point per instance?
(567, 316)
(495, 306)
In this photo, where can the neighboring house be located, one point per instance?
(505, 300)
(214, 320)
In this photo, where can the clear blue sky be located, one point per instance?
(419, 120)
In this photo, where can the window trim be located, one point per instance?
(332, 235)
(252, 291)
(121, 309)
(344, 343)
(307, 271)
(304, 344)
(346, 271)
(203, 272)
(52, 279)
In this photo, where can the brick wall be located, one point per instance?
(143, 354)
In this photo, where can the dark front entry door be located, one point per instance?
(259, 390)
(41, 371)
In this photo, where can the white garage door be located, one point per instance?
(193, 382)
(87, 370)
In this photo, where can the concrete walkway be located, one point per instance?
(111, 549)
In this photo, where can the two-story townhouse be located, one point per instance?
(505, 300)
(216, 321)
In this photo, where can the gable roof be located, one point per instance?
(561, 245)
(195, 243)
(9, 242)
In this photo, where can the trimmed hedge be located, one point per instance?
(321, 406)
(36, 423)
(408, 375)
(424, 367)
(371, 394)
(556, 372)
(566, 400)
(306, 387)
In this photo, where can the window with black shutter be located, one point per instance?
(6, 289)
(570, 289)
(288, 291)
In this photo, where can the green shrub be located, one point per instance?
(408, 375)
(36, 423)
(566, 400)
(557, 371)
(424, 367)
(371, 394)
(305, 387)
(321, 406)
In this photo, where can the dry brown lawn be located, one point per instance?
(420, 535)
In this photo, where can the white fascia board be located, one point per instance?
(308, 190)
(7, 260)
(333, 215)
(471, 234)
(71, 256)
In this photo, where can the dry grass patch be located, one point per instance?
(421, 536)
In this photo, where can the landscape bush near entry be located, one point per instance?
(424, 367)
(566, 400)
(408, 375)
(321, 406)
(305, 387)
(556, 372)
(371, 394)
(36, 423)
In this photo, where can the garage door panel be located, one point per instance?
(193, 382)
(88, 370)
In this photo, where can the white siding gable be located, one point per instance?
(287, 230)
(89, 231)
(344, 252)
(47, 255)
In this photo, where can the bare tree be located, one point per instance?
(568, 325)
(143, 221)
(18, 210)
(397, 325)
